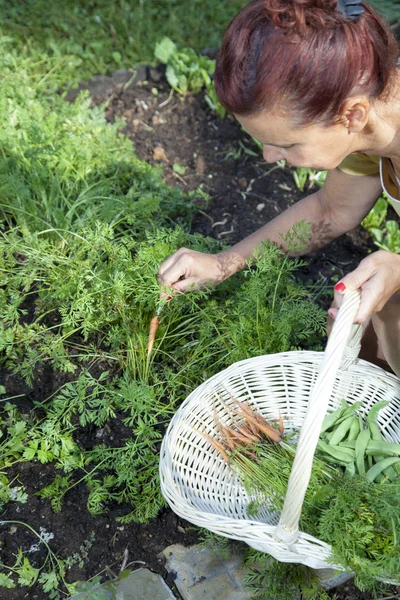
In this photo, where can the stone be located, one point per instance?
(142, 584)
(141, 74)
(122, 76)
(330, 578)
(201, 574)
(100, 85)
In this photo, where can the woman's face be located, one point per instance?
(318, 146)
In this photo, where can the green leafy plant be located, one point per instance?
(385, 233)
(303, 176)
(187, 71)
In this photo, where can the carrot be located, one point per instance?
(152, 333)
(216, 444)
(259, 417)
(229, 436)
(265, 428)
(247, 434)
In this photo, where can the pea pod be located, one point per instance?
(371, 416)
(341, 431)
(335, 452)
(354, 430)
(336, 417)
(331, 418)
(380, 466)
(388, 448)
(348, 444)
(361, 445)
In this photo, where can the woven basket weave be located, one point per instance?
(300, 386)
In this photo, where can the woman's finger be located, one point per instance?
(168, 263)
(177, 270)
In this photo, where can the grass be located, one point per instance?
(85, 38)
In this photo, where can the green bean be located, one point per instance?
(387, 448)
(331, 418)
(361, 445)
(341, 431)
(354, 430)
(380, 466)
(337, 453)
(348, 444)
(371, 416)
(350, 469)
(375, 432)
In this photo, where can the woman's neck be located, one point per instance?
(382, 135)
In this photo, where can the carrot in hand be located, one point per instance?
(152, 333)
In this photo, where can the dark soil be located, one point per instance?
(218, 157)
(219, 160)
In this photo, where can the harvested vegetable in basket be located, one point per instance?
(353, 498)
(357, 445)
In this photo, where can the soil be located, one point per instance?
(213, 157)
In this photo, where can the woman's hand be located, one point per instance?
(188, 270)
(378, 278)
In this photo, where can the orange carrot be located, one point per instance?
(152, 333)
(267, 429)
(216, 444)
(229, 436)
(247, 434)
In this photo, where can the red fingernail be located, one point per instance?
(168, 298)
(331, 313)
(340, 287)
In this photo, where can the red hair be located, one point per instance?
(303, 55)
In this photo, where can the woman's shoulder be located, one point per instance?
(360, 164)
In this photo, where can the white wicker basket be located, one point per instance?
(300, 386)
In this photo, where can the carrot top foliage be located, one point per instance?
(84, 226)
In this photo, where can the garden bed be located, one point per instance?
(198, 153)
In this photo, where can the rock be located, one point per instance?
(330, 578)
(100, 85)
(260, 206)
(144, 585)
(242, 181)
(141, 74)
(122, 76)
(202, 574)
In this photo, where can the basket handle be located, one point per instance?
(341, 351)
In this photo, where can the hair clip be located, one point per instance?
(351, 9)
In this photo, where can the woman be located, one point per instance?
(316, 82)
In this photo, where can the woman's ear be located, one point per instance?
(354, 114)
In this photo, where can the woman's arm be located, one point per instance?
(333, 210)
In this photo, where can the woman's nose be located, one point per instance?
(271, 155)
